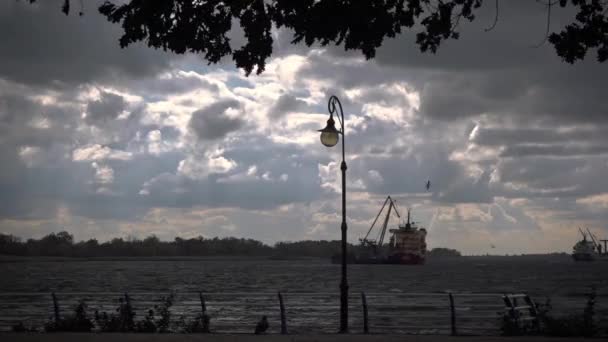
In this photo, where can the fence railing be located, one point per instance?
(293, 312)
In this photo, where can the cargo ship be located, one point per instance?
(406, 244)
(589, 248)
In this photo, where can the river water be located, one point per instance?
(239, 290)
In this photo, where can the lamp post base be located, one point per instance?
(343, 308)
(344, 283)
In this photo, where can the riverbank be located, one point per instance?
(64, 337)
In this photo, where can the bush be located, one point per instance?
(200, 324)
(571, 325)
(123, 321)
(509, 327)
(79, 322)
(164, 311)
(147, 325)
(21, 328)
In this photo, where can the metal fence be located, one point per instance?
(394, 313)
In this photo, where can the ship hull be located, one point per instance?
(583, 257)
(394, 259)
(405, 259)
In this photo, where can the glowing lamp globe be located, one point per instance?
(330, 135)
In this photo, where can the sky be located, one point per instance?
(107, 142)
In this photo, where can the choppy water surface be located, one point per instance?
(239, 289)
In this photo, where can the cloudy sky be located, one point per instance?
(106, 142)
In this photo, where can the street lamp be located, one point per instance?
(329, 137)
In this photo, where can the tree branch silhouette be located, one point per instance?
(549, 4)
(203, 26)
(495, 19)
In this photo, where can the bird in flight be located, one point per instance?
(428, 185)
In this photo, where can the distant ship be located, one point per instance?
(589, 248)
(406, 246)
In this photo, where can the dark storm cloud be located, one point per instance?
(264, 189)
(36, 192)
(287, 103)
(570, 209)
(551, 91)
(534, 104)
(174, 83)
(127, 132)
(452, 101)
(169, 133)
(211, 122)
(553, 150)
(555, 141)
(539, 118)
(344, 75)
(507, 217)
(409, 173)
(497, 72)
(497, 136)
(574, 176)
(41, 46)
(123, 200)
(107, 108)
(25, 123)
(50, 180)
(465, 189)
(384, 96)
(38, 175)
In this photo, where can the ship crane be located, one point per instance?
(378, 242)
(587, 233)
(596, 242)
(592, 237)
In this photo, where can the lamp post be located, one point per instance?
(329, 137)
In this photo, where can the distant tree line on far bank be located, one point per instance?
(443, 252)
(62, 244)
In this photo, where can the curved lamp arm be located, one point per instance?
(332, 108)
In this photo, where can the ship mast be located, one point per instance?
(582, 232)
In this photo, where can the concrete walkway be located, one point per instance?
(105, 337)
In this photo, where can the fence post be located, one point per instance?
(283, 319)
(533, 312)
(125, 312)
(365, 321)
(203, 306)
(453, 314)
(55, 308)
(128, 302)
(204, 317)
